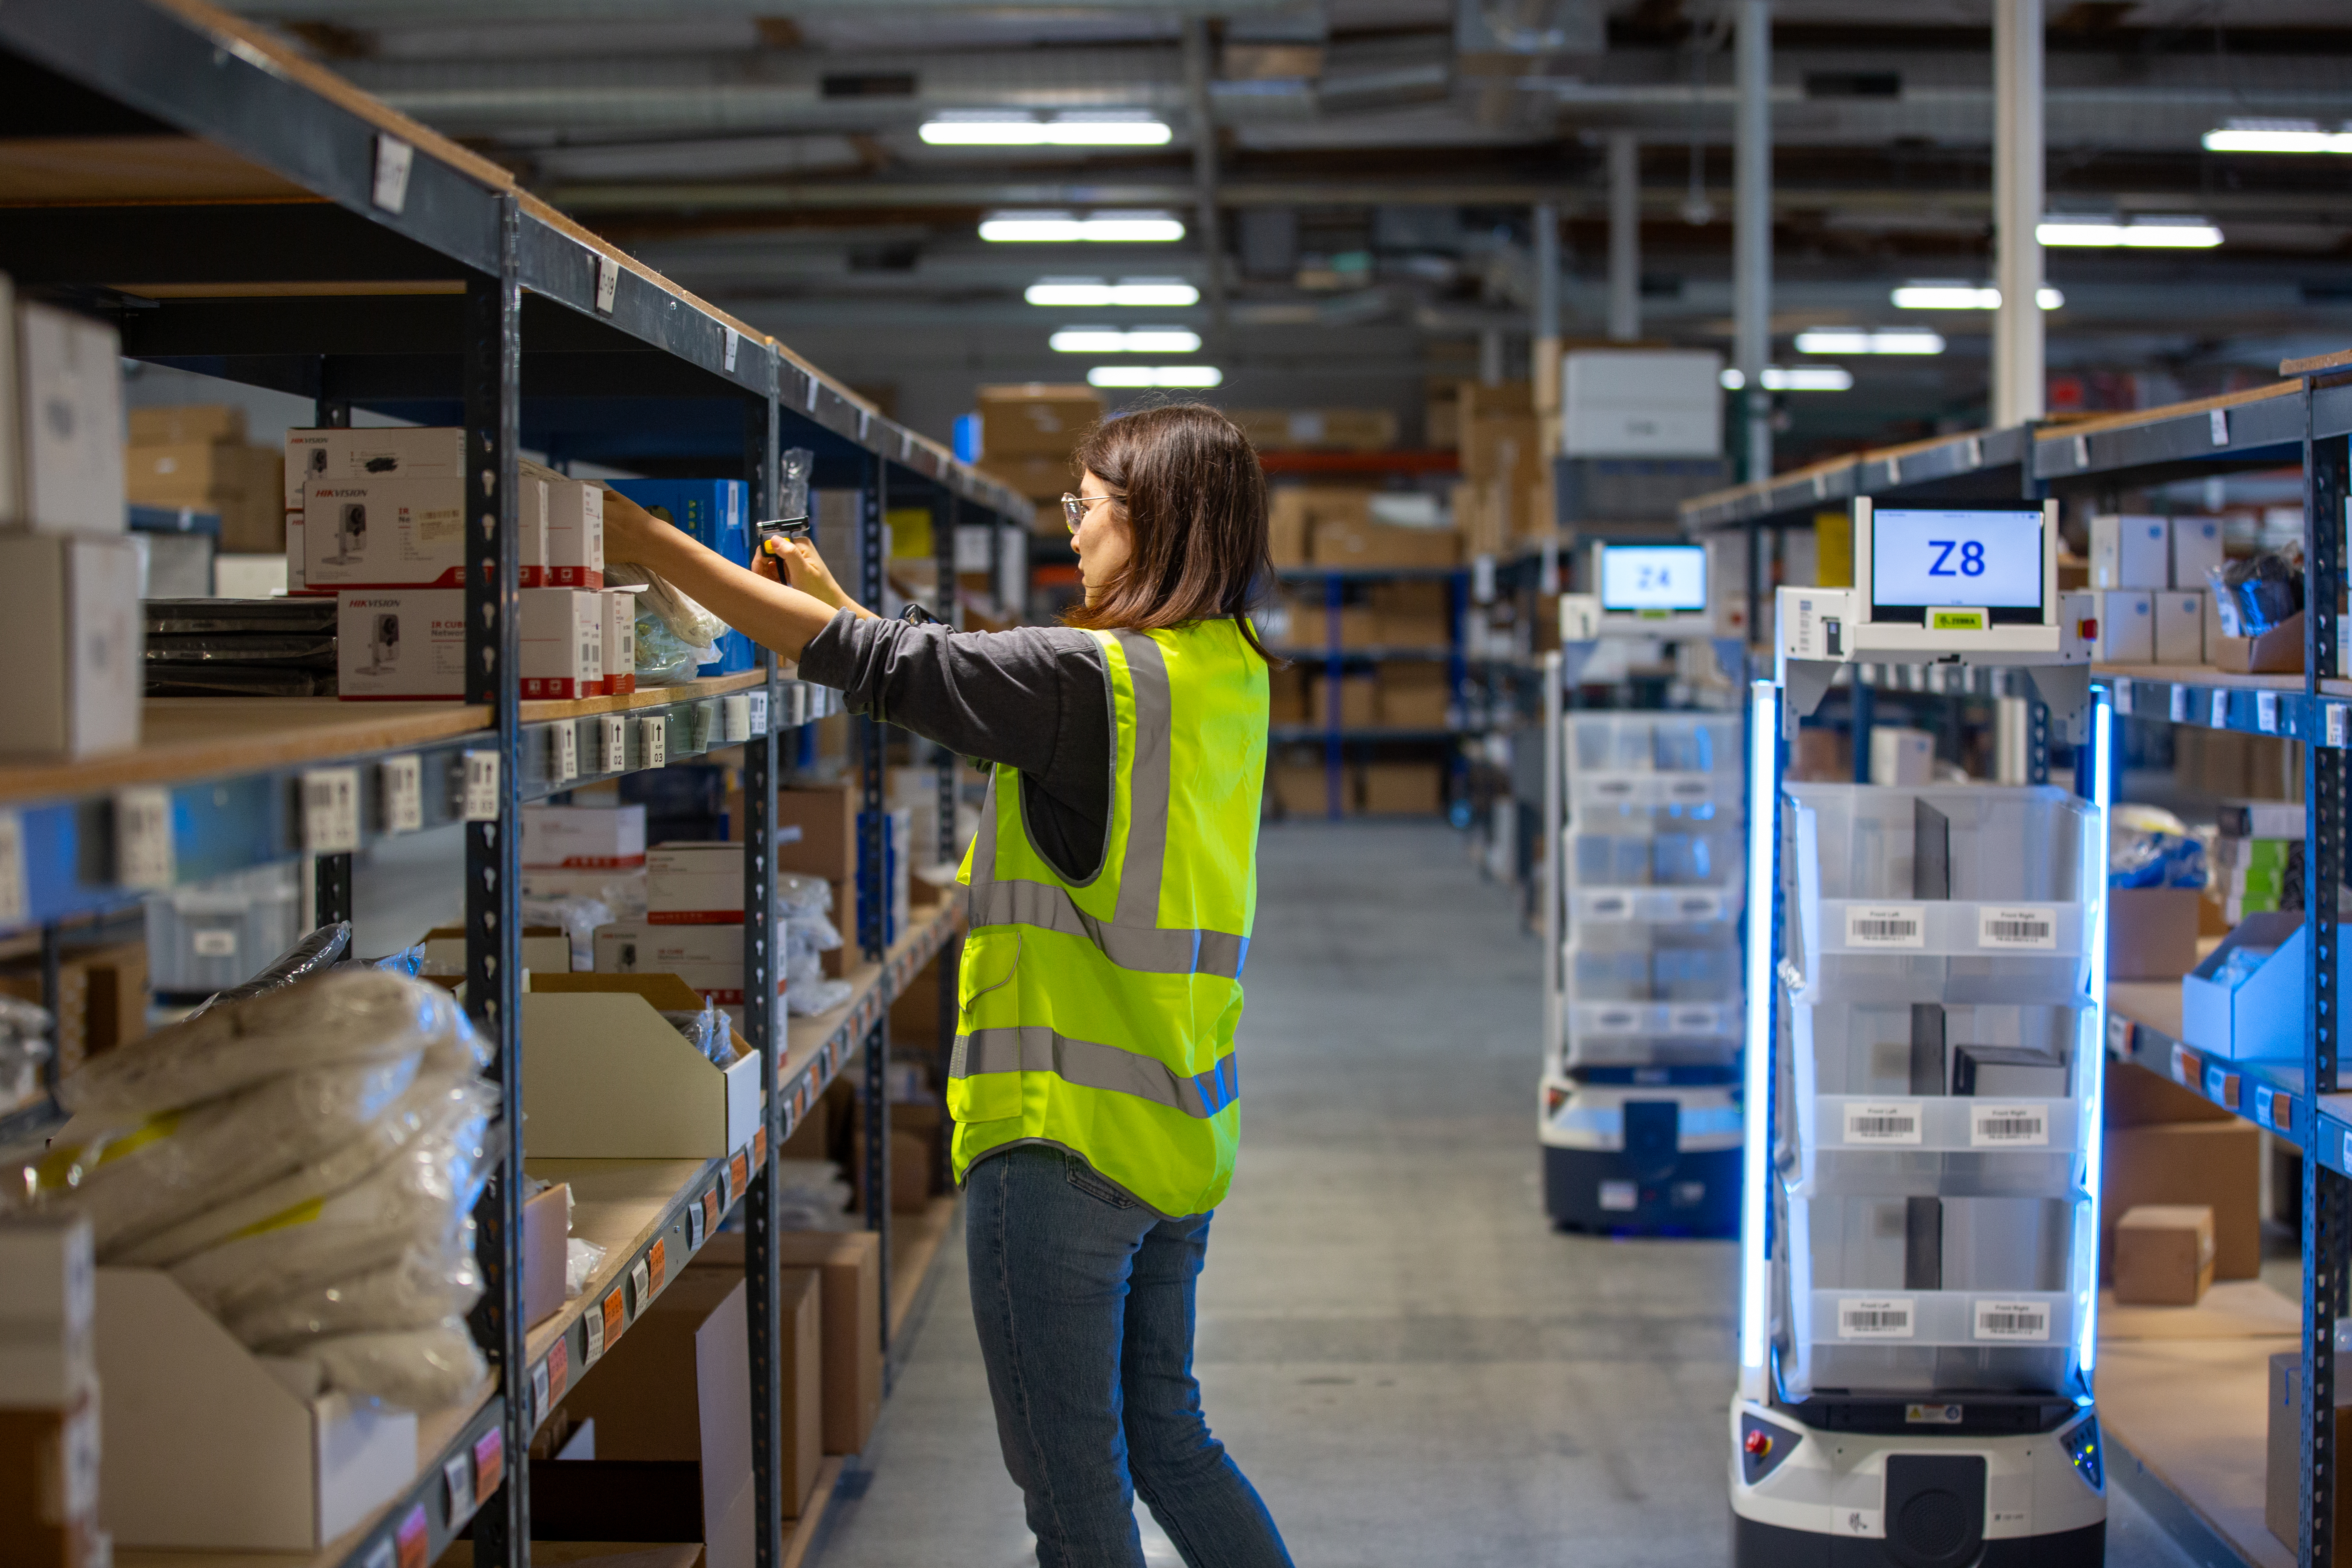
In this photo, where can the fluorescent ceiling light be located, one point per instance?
(1009, 128)
(1066, 229)
(1963, 296)
(2277, 136)
(1093, 293)
(2166, 232)
(1194, 375)
(1796, 378)
(1870, 341)
(1112, 340)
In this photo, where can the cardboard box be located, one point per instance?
(101, 998)
(2164, 1255)
(396, 533)
(1336, 541)
(74, 645)
(1412, 614)
(1299, 789)
(1414, 788)
(1317, 429)
(2151, 932)
(1042, 479)
(2278, 651)
(401, 643)
(847, 1265)
(1500, 400)
(47, 1312)
(1640, 402)
(546, 950)
(563, 643)
(2131, 552)
(708, 958)
(546, 1230)
(1902, 757)
(187, 422)
(49, 1467)
(607, 1078)
(2283, 1473)
(1358, 701)
(2127, 627)
(2180, 626)
(2211, 1164)
(2197, 545)
(1505, 448)
(585, 838)
(1286, 696)
(695, 884)
(575, 529)
(620, 642)
(817, 832)
(1413, 697)
(172, 1386)
(1036, 419)
(336, 454)
(60, 422)
(2262, 1016)
(1293, 512)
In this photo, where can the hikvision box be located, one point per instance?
(620, 642)
(709, 958)
(384, 533)
(584, 836)
(400, 643)
(575, 529)
(563, 643)
(60, 422)
(694, 884)
(328, 455)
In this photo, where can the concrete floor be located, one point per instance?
(1409, 1363)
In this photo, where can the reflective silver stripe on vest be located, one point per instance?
(1091, 1066)
(1146, 950)
(1147, 795)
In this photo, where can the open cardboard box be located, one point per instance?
(211, 1446)
(2262, 1016)
(605, 1076)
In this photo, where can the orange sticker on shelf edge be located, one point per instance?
(412, 1539)
(710, 1211)
(655, 1258)
(617, 1319)
(760, 1148)
(739, 1175)
(559, 1370)
(490, 1464)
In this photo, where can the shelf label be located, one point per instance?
(15, 900)
(2184, 1066)
(733, 337)
(2336, 725)
(608, 284)
(402, 780)
(2027, 926)
(393, 158)
(2122, 695)
(694, 1225)
(759, 701)
(331, 810)
(379, 1555)
(616, 1319)
(2266, 1099)
(2119, 1031)
(738, 1176)
(1885, 1122)
(2347, 1150)
(2082, 452)
(760, 1147)
(1886, 925)
(612, 744)
(2178, 711)
(559, 1368)
(2023, 1322)
(457, 1477)
(2217, 426)
(1875, 1318)
(594, 1323)
(542, 1394)
(653, 736)
(2222, 1086)
(2217, 708)
(414, 1538)
(656, 1271)
(641, 1282)
(143, 855)
(218, 941)
(481, 802)
(710, 1212)
(2008, 1127)
(1975, 448)
(2266, 712)
(489, 1461)
(563, 752)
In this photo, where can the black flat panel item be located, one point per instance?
(1931, 852)
(1927, 1048)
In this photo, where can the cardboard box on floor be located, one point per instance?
(847, 1265)
(2164, 1255)
(607, 1078)
(2215, 1165)
(2283, 1473)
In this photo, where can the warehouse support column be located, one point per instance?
(1545, 369)
(1751, 231)
(1204, 175)
(2017, 366)
(1624, 237)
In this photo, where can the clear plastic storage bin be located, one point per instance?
(220, 933)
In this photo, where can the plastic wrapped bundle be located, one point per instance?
(415, 1369)
(416, 1292)
(579, 915)
(313, 955)
(347, 1016)
(805, 906)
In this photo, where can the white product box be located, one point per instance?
(709, 958)
(694, 884)
(74, 644)
(61, 421)
(620, 641)
(583, 837)
(2126, 627)
(575, 529)
(435, 452)
(1641, 404)
(401, 643)
(248, 576)
(563, 643)
(384, 533)
(2196, 546)
(2179, 626)
(47, 1280)
(1901, 756)
(623, 891)
(2131, 552)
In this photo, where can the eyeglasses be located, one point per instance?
(1074, 508)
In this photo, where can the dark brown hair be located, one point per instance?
(1189, 487)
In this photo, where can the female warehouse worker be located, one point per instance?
(1113, 884)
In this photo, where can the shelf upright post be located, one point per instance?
(1551, 880)
(1864, 709)
(873, 893)
(763, 1026)
(1334, 699)
(2326, 1195)
(331, 875)
(493, 817)
(945, 550)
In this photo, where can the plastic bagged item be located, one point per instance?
(411, 1368)
(421, 1201)
(802, 895)
(792, 481)
(2149, 848)
(812, 1195)
(409, 1295)
(665, 658)
(314, 955)
(350, 1015)
(144, 1179)
(707, 1031)
(579, 915)
(408, 961)
(581, 1261)
(2253, 594)
(686, 621)
(811, 998)
(24, 1047)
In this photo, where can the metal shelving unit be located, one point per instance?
(1331, 658)
(2305, 420)
(253, 217)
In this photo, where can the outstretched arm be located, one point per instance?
(776, 614)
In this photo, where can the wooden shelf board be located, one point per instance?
(915, 1242)
(83, 171)
(618, 1204)
(2194, 1414)
(643, 696)
(189, 738)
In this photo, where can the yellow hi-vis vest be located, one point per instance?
(1099, 1016)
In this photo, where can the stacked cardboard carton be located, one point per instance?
(2154, 598)
(198, 457)
(1506, 489)
(2166, 1145)
(1317, 429)
(1027, 433)
(49, 1398)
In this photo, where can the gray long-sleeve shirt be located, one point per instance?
(1035, 698)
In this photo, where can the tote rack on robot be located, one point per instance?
(1638, 1115)
(1926, 969)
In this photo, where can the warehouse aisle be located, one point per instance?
(1413, 1367)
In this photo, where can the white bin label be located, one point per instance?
(480, 802)
(2178, 710)
(217, 942)
(457, 1475)
(2025, 1322)
(14, 898)
(143, 854)
(1885, 1122)
(331, 810)
(641, 1281)
(563, 752)
(2266, 712)
(1875, 1318)
(1886, 925)
(2031, 926)
(613, 739)
(2123, 697)
(402, 780)
(654, 739)
(2217, 710)
(2008, 1127)
(594, 1323)
(759, 701)
(2335, 726)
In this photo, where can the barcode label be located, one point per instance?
(541, 1390)
(2217, 710)
(331, 810)
(2335, 726)
(1892, 1122)
(14, 898)
(1886, 925)
(402, 779)
(641, 1283)
(565, 750)
(759, 713)
(2027, 926)
(2123, 697)
(1609, 907)
(2009, 1126)
(481, 797)
(2266, 712)
(1875, 1318)
(2179, 711)
(1687, 789)
(143, 856)
(693, 1225)
(654, 739)
(613, 738)
(2027, 1321)
(595, 1325)
(457, 1475)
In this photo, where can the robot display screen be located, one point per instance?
(1988, 560)
(1638, 577)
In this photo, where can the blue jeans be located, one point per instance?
(1084, 1303)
